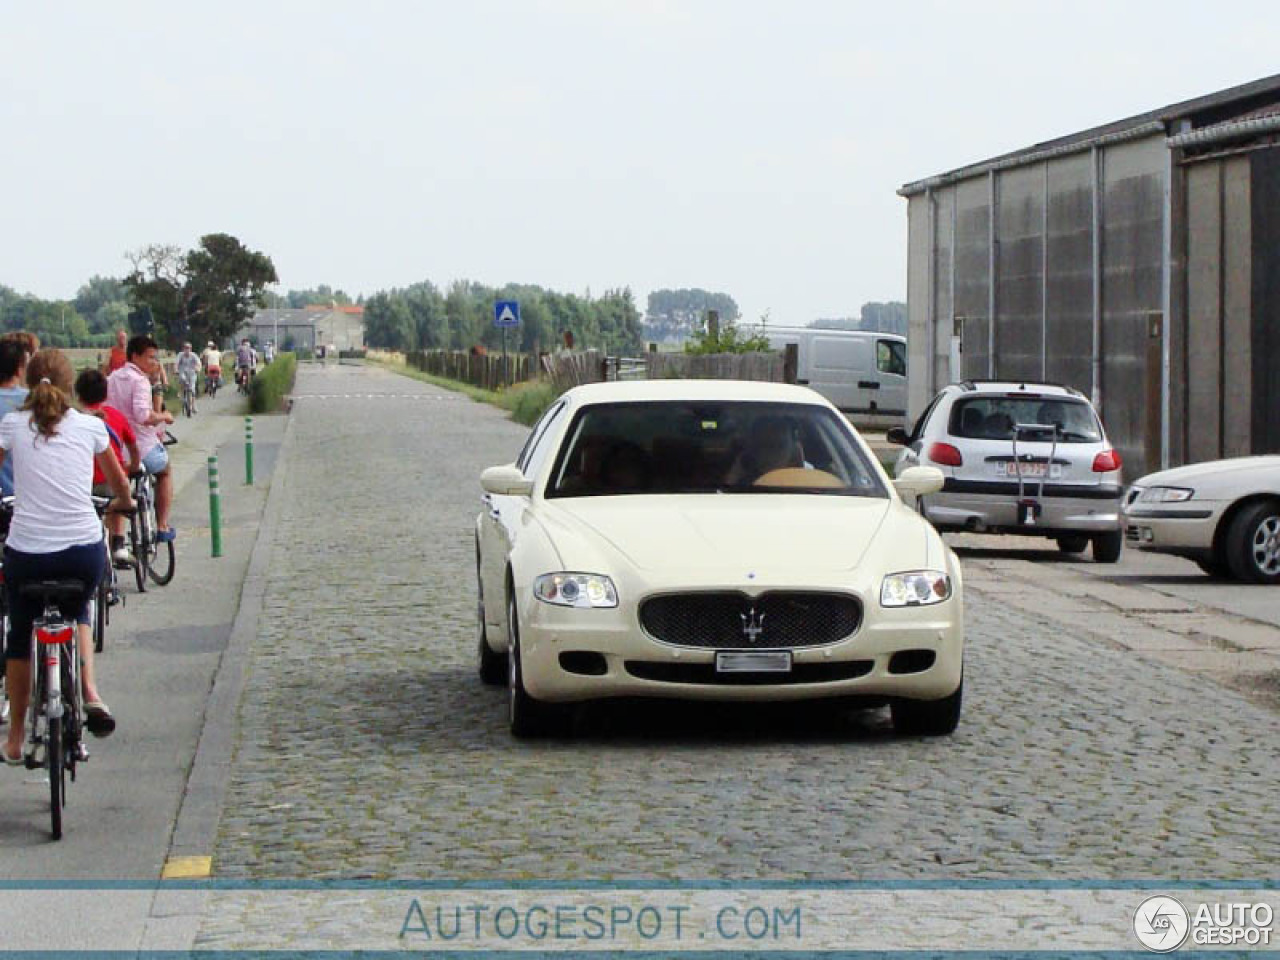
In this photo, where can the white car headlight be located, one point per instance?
(915, 588)
(575, 590)
(1166, 495)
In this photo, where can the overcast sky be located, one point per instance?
(752, 148)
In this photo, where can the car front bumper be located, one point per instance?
(636, 665)
(1184, 529)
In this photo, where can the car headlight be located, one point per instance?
(915, 588)
(1166, 495)
(575, 590)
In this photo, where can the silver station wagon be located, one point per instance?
(1025, 458)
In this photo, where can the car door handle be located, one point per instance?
(869, 384)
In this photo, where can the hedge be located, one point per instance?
(268, 389)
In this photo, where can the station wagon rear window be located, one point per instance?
(994, 417)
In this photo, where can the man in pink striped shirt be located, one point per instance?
(129, 391)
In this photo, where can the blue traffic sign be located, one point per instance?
(506, 313)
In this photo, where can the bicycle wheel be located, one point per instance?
(52, 755)
(161, 563)
(186, 402)
(137, 541)
(100, 615)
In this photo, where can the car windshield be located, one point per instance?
(710, 447)
(993, 418)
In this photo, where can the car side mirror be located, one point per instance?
(897, 435)
(919, 482)
(507, 481)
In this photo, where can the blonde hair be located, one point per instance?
(49, 376)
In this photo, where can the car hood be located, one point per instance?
(725, 535)
(1237, 475)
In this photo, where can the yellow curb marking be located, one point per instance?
(187, 868)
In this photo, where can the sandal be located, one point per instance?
(167, 536)
(98, 719)
(12, 761)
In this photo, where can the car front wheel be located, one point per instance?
(529, 718)
(1253, 543)
(928, 718)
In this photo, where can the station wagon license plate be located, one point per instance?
(1032, 470)
(753, 661)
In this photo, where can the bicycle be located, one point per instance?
(108, 593)
(188, 397)
(244, 380)
(151, 558)
(54, 722)
(212, 381)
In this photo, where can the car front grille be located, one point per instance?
(730, 620)
(705, 674)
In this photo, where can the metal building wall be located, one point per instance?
(1219, 369)
(1019, 273)
(1068, 303)
(1265, 338)
(1133, 177)
(944, 221)
(920, 385)
(972, 258)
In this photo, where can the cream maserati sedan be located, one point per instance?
(716, 540)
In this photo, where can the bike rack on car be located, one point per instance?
(1029, 507)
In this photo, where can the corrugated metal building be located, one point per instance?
(1138, 262)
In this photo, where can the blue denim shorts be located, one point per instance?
(156, 459)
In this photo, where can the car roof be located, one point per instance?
(1017, 386)
(633, 391)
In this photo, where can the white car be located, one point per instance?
(712, 540)
(1019, 457)
(1224, 515)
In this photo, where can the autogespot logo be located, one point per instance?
(1161, 924)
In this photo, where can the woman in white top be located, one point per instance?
(56, 533)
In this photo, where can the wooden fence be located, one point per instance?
(568, 370)
(480, 370)
(771, 366)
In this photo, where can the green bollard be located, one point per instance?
(248, 451)
(215, 509)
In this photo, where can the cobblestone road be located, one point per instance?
(368, 748)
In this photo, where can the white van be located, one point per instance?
(859, 371)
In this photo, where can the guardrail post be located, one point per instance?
(215, 509)
(248, 451)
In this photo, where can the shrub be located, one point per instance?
(528, 401)
(351, 354)
(266, 393)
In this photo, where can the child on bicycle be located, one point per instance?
(91, 389)
(56, 532)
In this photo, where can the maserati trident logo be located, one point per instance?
(752, 625)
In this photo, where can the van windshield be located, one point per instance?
(665, 447)
(993, 418)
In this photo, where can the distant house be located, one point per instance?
(303, 328)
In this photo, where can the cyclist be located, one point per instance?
(246, 362)
(212, 360)
(91, 389)
(13, 391)
(56, 533)
(129, 391)
(188, 366)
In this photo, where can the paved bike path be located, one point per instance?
(163, 649)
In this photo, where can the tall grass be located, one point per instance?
(268, 389)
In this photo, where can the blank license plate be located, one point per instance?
(753, 661)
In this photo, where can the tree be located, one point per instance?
(677, 314)
(206, 293)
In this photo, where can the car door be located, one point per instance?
(891, 374)
(499, 521)
(910, 454)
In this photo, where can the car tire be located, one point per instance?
(1107, 546)
(529, 718)
(1076, 543)
(491, 666)
(1215, 567)
(1253, 543)
(928, 718)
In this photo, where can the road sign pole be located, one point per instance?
(504, 357)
